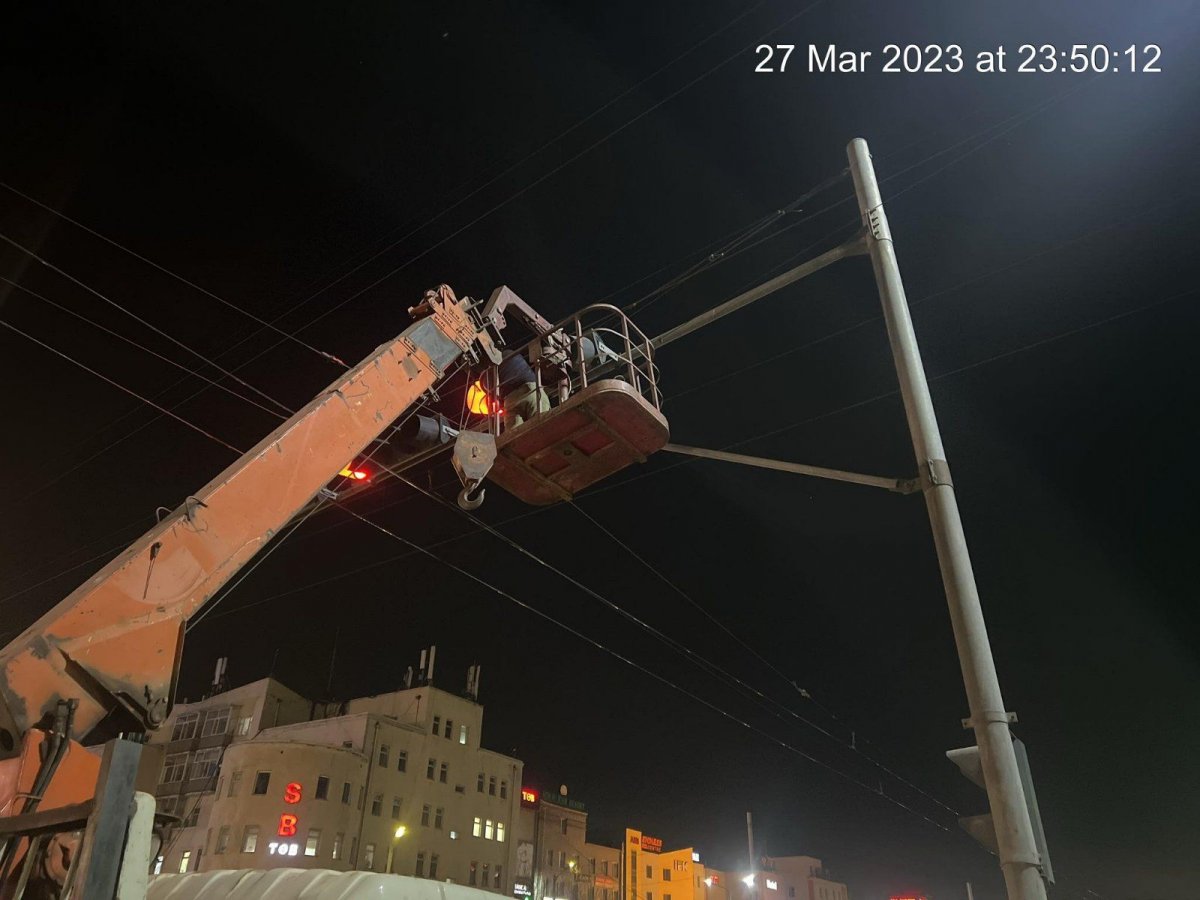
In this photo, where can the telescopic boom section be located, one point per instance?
(117, 639)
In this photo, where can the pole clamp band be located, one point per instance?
(936, 472)
(992, 716)
(878, 223)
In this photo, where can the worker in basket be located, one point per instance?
(521, 398)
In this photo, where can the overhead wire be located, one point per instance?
(522, 191)
(136, 317)
(140, 346)
(328, 356)
(121, 387)
(790, 682)
(661, 679)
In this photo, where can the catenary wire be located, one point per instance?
(703, 663)
(138, 318)
(661, 679)
(757, 655)
(121, 387)
(175, 275)
(140, 346)
(522, 191)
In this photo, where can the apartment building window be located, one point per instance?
(649, 872)
(444, 773)
(322, 787)
(477, 827)
(250, 839)
(437, 724)
(666, 897)
(217, 721)
(220, 787)
(353, 852)
(383, 755)
(419, 871)
(346, 792)
(492, 785)
(792, 891)
(433, 861)
(336, 853)
(485, 874)
(504, 790)
(430, 768)
(235, 783)
(500, 832)
(395, 807)
(562, 825)
(604, 868)
(666, 874)
(401, 760)
(472, 876)
(479, 783)
(550, 857)
(313, 843)
(496, 878)
(173, 768)
(462, 734)
(262, 781)
(222, 839)
(425, 814)
(184, 860)
(489, 829)
(562, 859)
(243, 725)
(185, 727)
(449, 728)
(377, 805)
(204, 763)
(437, 817)
(369, 856)
(649, 895)
(192, 815)
(362, 793)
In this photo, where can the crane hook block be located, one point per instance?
(474, 455)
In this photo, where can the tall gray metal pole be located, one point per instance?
(1014, 831)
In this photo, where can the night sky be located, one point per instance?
(1045, 225)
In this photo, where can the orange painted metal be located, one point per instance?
(598, 431)
(116, 640)
(74, 781)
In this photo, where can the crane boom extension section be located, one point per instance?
(117, 639)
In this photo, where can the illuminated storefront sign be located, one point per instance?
(519, 889)
(605, 881)
(283, 849)
(291, 793)
(529, 797)
(287, 825)
(772, 884)
(651, 844)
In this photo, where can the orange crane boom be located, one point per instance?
(116, 640)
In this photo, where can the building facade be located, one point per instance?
(261, 778)
(194, 741)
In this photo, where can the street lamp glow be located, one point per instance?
(748, 881)
(571, 865)
(708, 881)
(401, 831)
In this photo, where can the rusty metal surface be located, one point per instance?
(117, 638)
(602, 429)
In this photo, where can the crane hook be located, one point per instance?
(471, 496)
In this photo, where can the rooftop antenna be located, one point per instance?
(337, 633)
(432, 654)
(218, 682)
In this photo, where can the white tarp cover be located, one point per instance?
(305, 884)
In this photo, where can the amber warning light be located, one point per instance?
(478, 400)
(356, 474)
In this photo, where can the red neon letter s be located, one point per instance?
(291, 794)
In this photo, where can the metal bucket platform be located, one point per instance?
(602, 429)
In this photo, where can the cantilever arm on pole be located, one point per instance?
(854, 247)
(896, 485)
